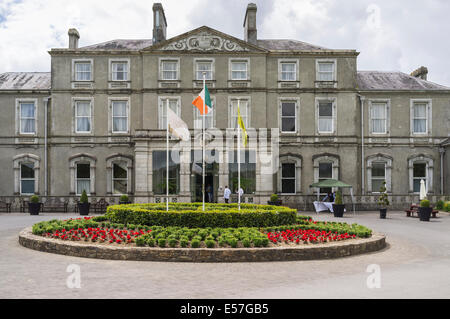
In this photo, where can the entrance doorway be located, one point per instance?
(211, 183)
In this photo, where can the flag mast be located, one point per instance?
(239, 158)
(203, 144)
(167, 154)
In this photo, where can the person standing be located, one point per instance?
(209, 191)
(227, 194)
(240, 193)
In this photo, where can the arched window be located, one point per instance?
(119, 170)
(289, 174)
(379, 167)
(82, 174)
(326, 166)
(26, 174)
(420, 168)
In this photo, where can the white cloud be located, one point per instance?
(409, 33)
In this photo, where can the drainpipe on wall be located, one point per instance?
(442, 152)
(46, 99)
(362, 99)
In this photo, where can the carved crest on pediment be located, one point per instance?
(204, 41)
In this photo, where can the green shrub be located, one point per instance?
(84, 197)
(440, 205)
(246, 242)
(274, 198)
(424, 203)
(150, 242)
(338, 199)
(447, 206)
(216, 215)
(124, 198)
(383, 200)
(34, 199)
(162, 242)
(210, 243)
(140, 241)
(233, 242)
(184, 241)
(195, 243)
(257, 242)
(173, 242)
(222, 242)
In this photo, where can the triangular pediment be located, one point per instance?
(205, 39)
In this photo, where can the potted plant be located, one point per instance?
(338, 206)
(274, 200)
(124, 200)
(383, 201)
(34, 206)
(425, 210)
(84, 205)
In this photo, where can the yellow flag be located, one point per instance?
(242, 126)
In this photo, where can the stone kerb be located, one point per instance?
(303, 252)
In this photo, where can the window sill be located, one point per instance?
(239, 83)
(325, 84)
(82, 84)
(288, 84)
(169, 84)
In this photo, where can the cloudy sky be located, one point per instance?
(398, 35)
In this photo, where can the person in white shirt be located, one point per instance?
(226, 194)
(240, 192)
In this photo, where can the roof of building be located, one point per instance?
(25, 81)
(120, 44)
(294, 45)
(136, 45)
(393, 81)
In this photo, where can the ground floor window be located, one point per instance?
(288, 178)
(378, 176)
(325, 172)
(27, 178)
(159, 174)
(419, 173)
(83, 178)
(120, 178)
(248, 171)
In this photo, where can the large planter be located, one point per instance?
(425, 213)
(34, 208)
(383, 212)
(83, 208)
(338, 210)
(275, 203)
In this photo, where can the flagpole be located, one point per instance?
(239, 159)
(167, 155)
(203, 144)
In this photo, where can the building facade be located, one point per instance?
(97, 121)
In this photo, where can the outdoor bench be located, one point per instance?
(4, 206)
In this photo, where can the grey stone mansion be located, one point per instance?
(97, 121)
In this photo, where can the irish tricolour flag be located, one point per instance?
(203, 100)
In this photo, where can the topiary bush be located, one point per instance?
(189, 215)
(34, 199)
(424, 203)
(84, 197)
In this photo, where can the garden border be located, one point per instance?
(332, 250)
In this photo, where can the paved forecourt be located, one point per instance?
(418, 254)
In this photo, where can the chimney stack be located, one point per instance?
(159, 23)
(250, 32)
(74, 36)
(420, 73)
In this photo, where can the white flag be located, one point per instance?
(177, 126)
(197, 169)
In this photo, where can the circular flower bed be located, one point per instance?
(101, 230)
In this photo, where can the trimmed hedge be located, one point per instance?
(191, 215)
